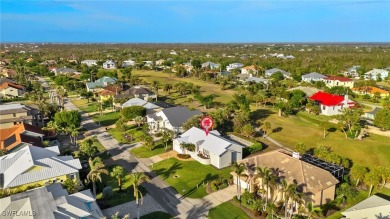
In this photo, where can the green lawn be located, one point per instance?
(184, 176)
(100, 148)
(305, 128)
(117, 134)
(223, 96)
(84, 106)
(106, 119)
(118, 197)
(227, 210)
(157, 215)
(143, 152)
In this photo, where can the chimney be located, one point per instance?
(296, 155)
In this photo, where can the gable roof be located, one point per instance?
(101, 82)
(311, 178)
(179, 115)
(337, 78)
(313, 75)
(17, 167)
(66, 70)
(370, 207)
(15, 135)
(9, 84)
(274, 70)
(139, 102)
(51, 202)
(212, 142)
(327, 99)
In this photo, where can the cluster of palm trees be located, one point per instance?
(273, 191)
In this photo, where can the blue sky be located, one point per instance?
(195, 21)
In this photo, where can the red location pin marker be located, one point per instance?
(206, 123)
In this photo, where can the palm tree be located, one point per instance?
(61, 94)
(136, 179)
(97, 169)
(313, 211)
(166, 137)
(119, 173)
(358, 172)
(148, 142)
(139, 120)
(294, 196)
(167, 88)
(156, 86)
(372, 179)
(238, 169)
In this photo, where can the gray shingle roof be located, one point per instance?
(314, 75)
(139, 102)
(179, 115)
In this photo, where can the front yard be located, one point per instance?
(188, 177)
(106, 119)
(227, 210)
(143, 152)
(84, 106)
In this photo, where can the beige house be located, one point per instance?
(12, 114)
(333, 81)
(10, 90)
(316, 184)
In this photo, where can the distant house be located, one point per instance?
(109, 64)
(210, 65)
(34, 165)
(19, 135)
(137, 91)
(109, 91)
(374, 207)
(52, 201)
(353, 71)
(128, 63)
(171, 118)
(10, 90)
(160, 62)
(371, 91)
(16, 113)
(101, 82)
(333, 81)
(313, 76)
(150, 107)
(9, 73)
(249, 70)
(49, 62)
(317, 185)
(65, 71)
(332, 104)
(371, 114)
(89, 62)
(270, 72)
(376, 74)
(225, 74)
(257, 80)
(234, 66)
(209, 149)
(242, 77)
(148, 64)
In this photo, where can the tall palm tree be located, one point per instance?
(61, 94)
(238, 169)
(313, 211)
(119, 173)
(295, 197)
(156, 86)
(166, 137)
(97, 169)
(167, 88)
(136, 179)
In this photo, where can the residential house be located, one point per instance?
(16, 113)
(353, 71)
(376, 74)
(333, 81)
(108, 92)
(89, 62)
(257, 80)
(171, 118)
(100, 83)
(374, 207)
(8, 73)
(371, 115)
(128, 63)
(242, 77)
(137, 91)
(148, 64)
(210, 65)
(249, 70)
(51, 201)
(150, 107)
(160, 62)
(109, 64)
(371, 91)
(313, 76)
(225, 74)
(317, 185)
(309, 91)
(270, 72)
(49, 62)
(209, 149)
(10, 90)
(65, 71)
(332, 104)
(18, 136)
(234, 66)
(37, 166)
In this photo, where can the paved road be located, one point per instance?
(161, 192)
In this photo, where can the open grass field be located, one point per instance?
(305, 128)
(223, 96)
(182, 177)
(117, 134)
(227, 211)
(143, 152)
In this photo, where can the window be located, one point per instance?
(323, 107)
(14, 114)
(72, 176)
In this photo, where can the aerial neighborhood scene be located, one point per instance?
(181, 109)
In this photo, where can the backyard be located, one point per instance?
(182, 177)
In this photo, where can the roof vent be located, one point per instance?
(295, 155)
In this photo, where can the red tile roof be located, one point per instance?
(9, 84)
(327, 99)
(337, 78)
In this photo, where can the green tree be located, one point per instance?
(382, 119)
(71, 185)
(65, 119)
(248, 130)
(136, 179)
(148, 142)
(156, 86)
(88, 149)
(3, 151)
(129, 113)
(120, 124)
(301, 148)
(119, 173)
(166, 137)
(266, 127)
(358, 173)
(97, 169)
(372, 179)
(139, 120)
(348, 120)
(238, 169)
(167, 88)
(313, 211)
